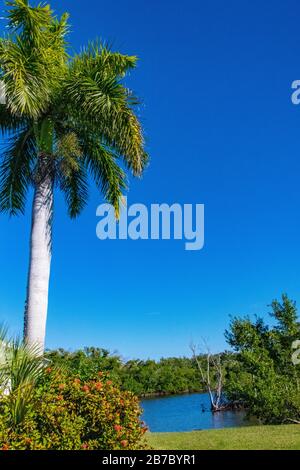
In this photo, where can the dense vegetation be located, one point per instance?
(43, 407)
(84, 400)
(144, 378)
(259, 374)
(262, 374)
(65, 413)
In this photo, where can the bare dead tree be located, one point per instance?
(214, 388)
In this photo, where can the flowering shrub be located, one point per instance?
(66, 414)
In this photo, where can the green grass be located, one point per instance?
(285, 437)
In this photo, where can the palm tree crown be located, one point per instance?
(63, 116)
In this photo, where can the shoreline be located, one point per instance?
(168, 395)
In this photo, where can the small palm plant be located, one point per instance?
(21, 366)
(67, 121)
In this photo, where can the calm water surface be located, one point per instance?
(187, 413)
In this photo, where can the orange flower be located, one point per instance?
(76, 381)
(109, 382)
(118, 427)
(124, 443)
(62, 386)
(85, 388)
(60, 397)
(98, 385)
(5, 447)
(48, 370)
(84, 446)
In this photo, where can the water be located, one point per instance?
(185, 413)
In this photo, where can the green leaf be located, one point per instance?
(15, 172)
(75, 188)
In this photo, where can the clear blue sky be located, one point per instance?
(215, 79)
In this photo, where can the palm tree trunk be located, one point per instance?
(39, 264)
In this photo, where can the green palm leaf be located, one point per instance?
(32, 58)
(74, 185)
(107, 173)
(21, 366)
(9, 122)
(15, 172)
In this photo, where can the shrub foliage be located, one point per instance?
(68, 414)
(262, 374)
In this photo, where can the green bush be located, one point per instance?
(263, 376)
(68, 414)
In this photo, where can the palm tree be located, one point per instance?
(66, 120)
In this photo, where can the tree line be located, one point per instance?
(173, 375)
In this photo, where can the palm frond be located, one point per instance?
(24, 363)
(122, 131)
(98, 97)
(28, 21)
(98, 57)
(93, 92)
(15, 171)
(33, 58)
(103, 107)
(25, 78)
(106, 172)
(20, 368)
(74, 185)
(9, 122)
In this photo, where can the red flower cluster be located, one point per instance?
(98, 385)
(118, 427)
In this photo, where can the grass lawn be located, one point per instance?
(286, 437)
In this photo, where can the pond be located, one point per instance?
(191, 412)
